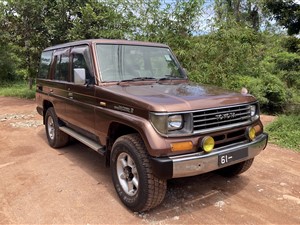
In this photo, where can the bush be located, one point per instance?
(255, 86)
(240, 57)
(276, 93)
(269, 90)
(285, 131)
(20, 90)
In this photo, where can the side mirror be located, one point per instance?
(79, 76)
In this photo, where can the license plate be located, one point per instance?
(226, 158)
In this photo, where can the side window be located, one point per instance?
(61, 66)
(45, 64)
(81, 60)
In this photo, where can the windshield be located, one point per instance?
(128, 62)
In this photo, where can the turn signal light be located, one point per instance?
(182, 146)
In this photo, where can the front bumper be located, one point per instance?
(199, 163)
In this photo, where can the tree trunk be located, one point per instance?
(30, 83)
(237, 10)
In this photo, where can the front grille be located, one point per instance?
(230, 138)
(218, 118)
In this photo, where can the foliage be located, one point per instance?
(246, 12)
(7, 69)
(22, 23)
(286, 13)
(236, 57)
(238, 51)
(97, 20)
(292, 44)
(19, 89)
(285, 131)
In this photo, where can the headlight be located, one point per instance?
(172, 124)
(175, 122)
(253, 110)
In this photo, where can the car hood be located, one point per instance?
(173, 97)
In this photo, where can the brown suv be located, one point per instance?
(132, 103)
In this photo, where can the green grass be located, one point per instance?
(285, 131)
(20, 90)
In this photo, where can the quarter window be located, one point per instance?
(45, 64)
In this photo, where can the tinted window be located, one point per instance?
(82, 60)
(79, 62)
(45, 64)
(62, 67)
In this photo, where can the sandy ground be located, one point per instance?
(41, 185)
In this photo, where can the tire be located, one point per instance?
(56, 138)
(132, 175)
(235, 169)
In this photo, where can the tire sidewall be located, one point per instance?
(137, 201)
(50, 113)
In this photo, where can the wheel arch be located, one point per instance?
(116, 130)
(46, 105)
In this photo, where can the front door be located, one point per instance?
(81, 97)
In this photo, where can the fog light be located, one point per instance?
(251, 133)
(208, 143)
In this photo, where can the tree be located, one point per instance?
(33, 25)
(24, 28)
(247, 12)
(9, 60)
(286, 13)
(98, 20)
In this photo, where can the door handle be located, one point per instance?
(39, 87)
(70, 94)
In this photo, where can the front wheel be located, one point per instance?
(132, 175)
(235, 169)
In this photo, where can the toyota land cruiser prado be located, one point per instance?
(133, 103)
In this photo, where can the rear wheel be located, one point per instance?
(132, 175)
(235, 169)
(56, 138)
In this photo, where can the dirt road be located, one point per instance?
(71, 185)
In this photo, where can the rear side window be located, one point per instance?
(61, 65)
(45, 64)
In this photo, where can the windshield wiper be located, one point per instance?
(170, 77)
(138, 79)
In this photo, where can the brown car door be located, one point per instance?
(81, 99)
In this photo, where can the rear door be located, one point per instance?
(59, 76)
